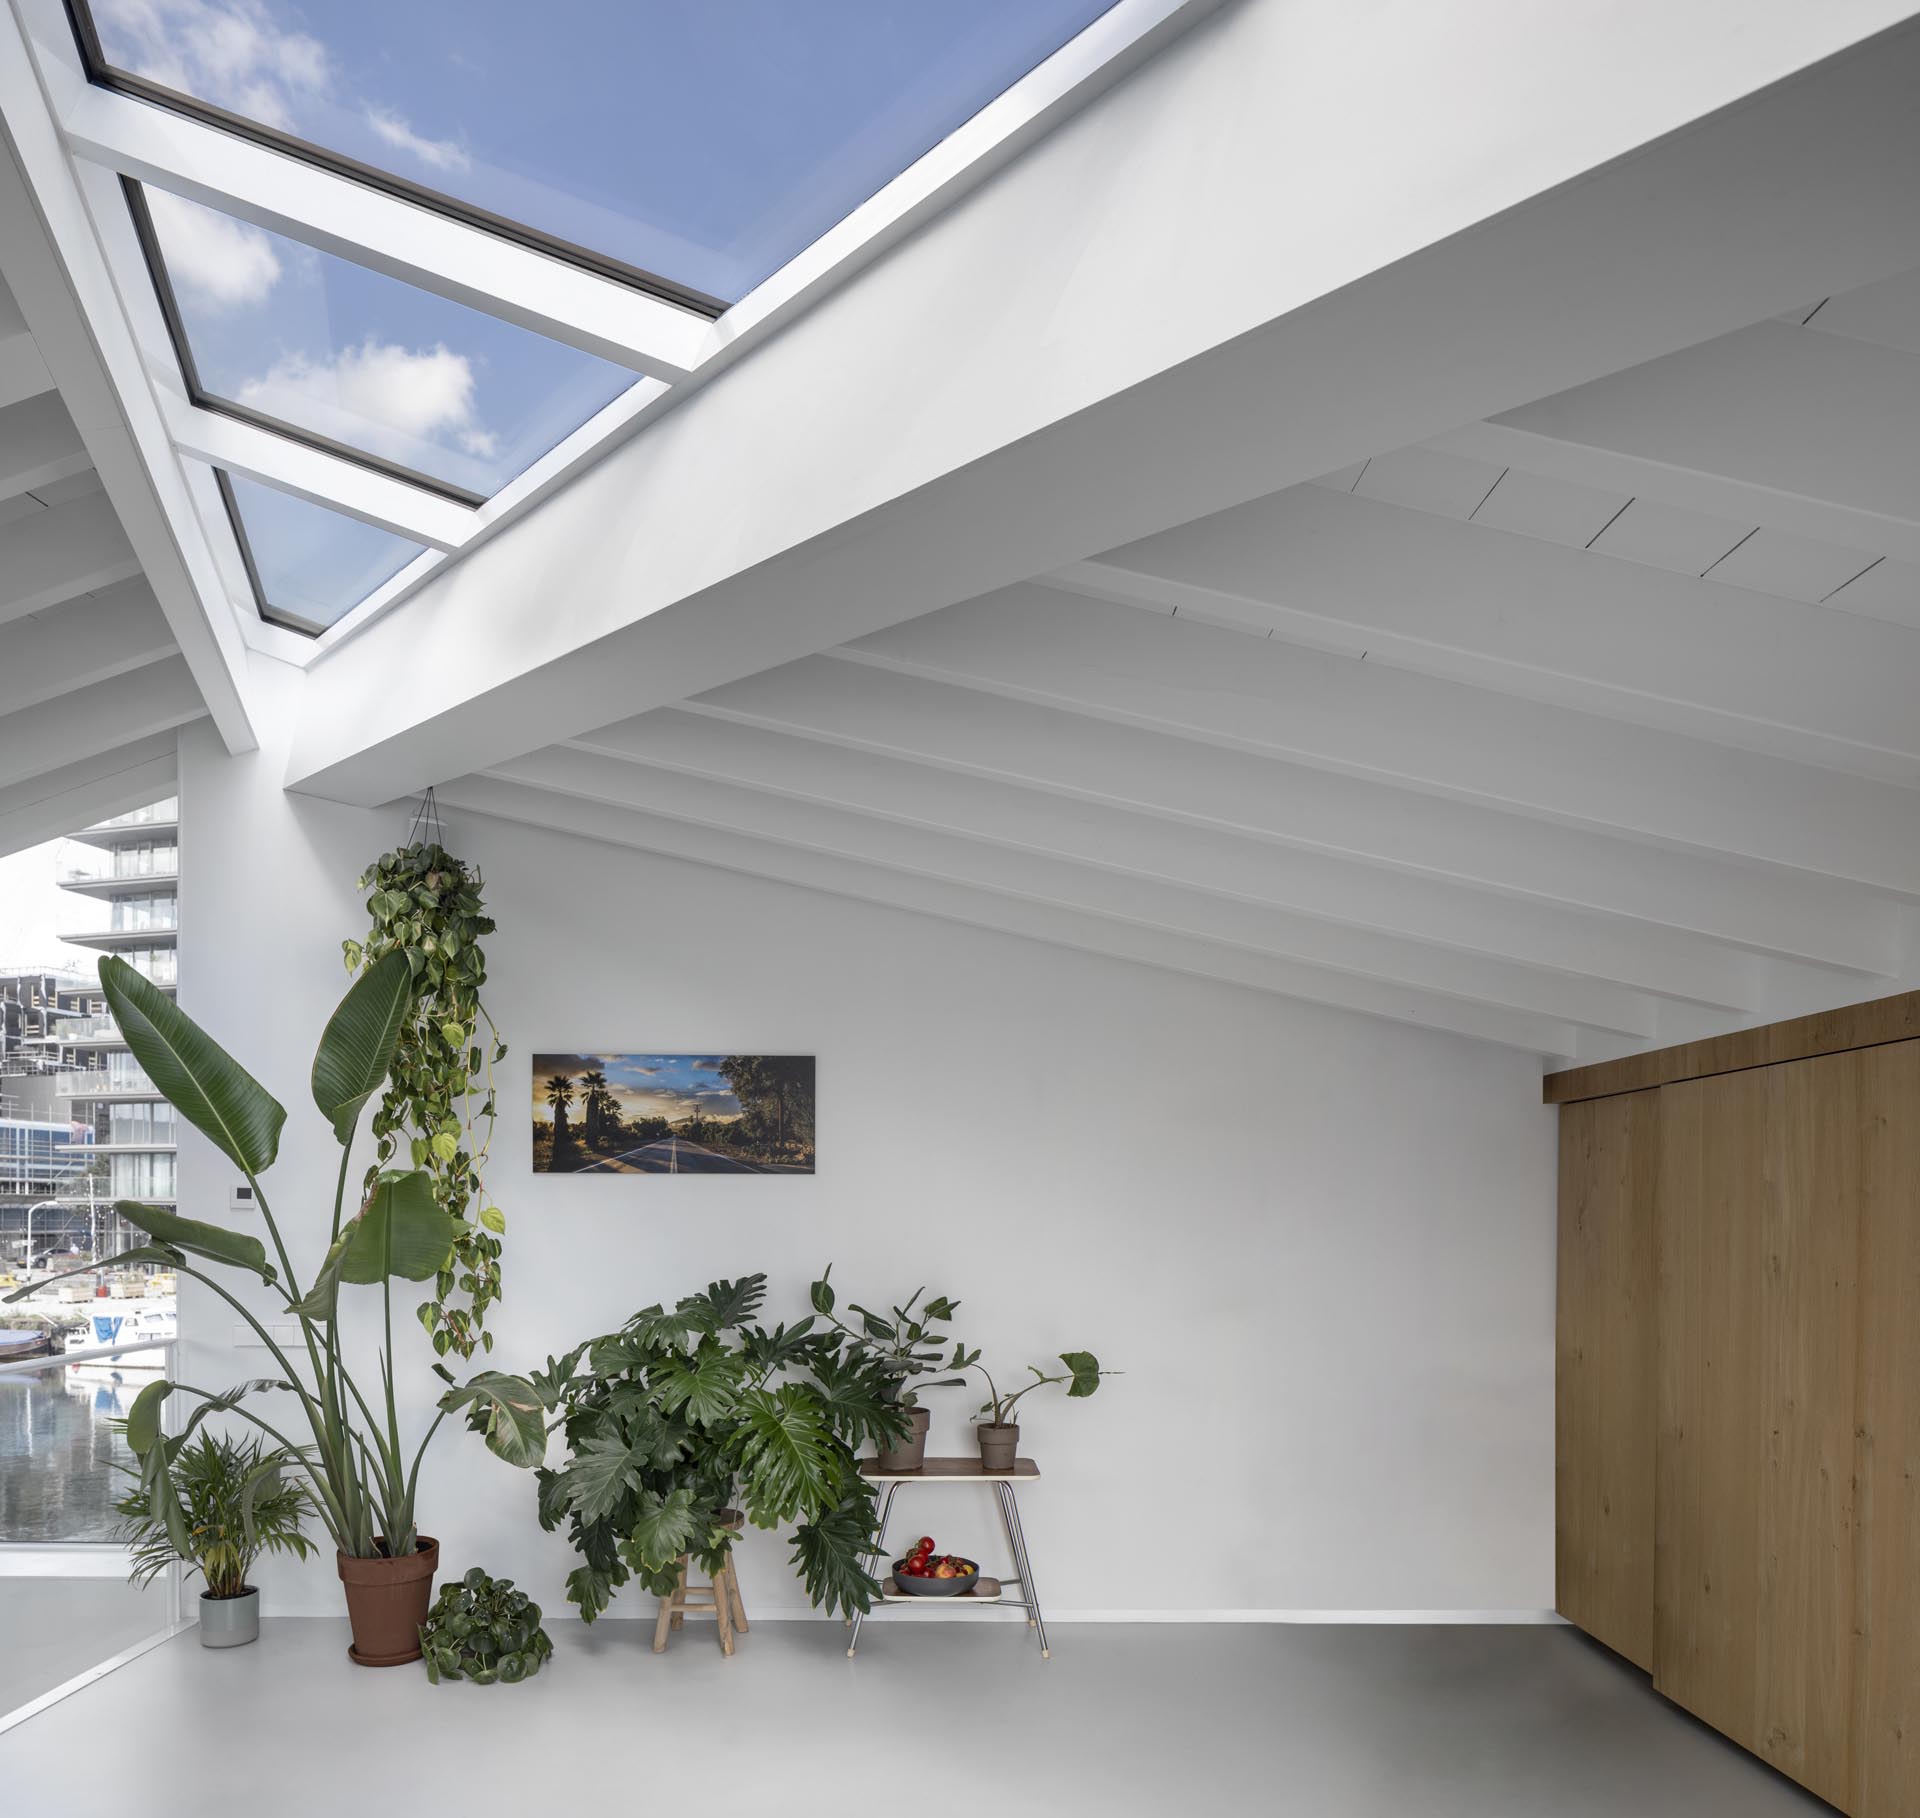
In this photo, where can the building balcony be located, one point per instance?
(109, 940)
(109, 884)
(99, 1083)
(157, 822)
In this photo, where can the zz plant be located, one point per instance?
(352, 1458)
(680, 1418)
(439, 1100)
(482, 1629)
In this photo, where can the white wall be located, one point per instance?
(1320, 1246)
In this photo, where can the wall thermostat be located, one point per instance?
(240, 1199)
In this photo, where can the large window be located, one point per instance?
(278, 333)
(140, 1176)
(308, 565)
(146, 1121)
(692, 148)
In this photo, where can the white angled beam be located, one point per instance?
(1811, 433)
(1131, 897)
(23, 372)
(69, 730)
(403, 240)
(323, 479)
(85, 642)
(1654, 960)
(1010, 915)
(1368, 719)
(1338, 572)
(1773, 910)
(89, 789)
(59, 278)
(62, 552)
(38, 445)
(997, 398)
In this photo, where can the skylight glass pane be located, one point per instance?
(311, 565)
(705, 142)
(365, 360)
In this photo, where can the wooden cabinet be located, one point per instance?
(1603, 1383)
(1738, 1455)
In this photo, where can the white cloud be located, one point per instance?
(405, 397)
(231, 52)
(441, 154)
(225, 263)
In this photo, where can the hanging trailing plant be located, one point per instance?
(439, 1102)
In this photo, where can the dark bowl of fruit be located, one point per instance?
(925, 1573)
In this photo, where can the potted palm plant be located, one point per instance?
(905, 1347)
(226, 1503)
(361, 1476)
(999, 1433)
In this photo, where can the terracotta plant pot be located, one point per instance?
(387, 1602)
(912, 1455)
(998, 1446)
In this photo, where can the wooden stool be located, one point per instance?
(721, 1597)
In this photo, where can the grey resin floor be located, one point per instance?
(53, 1628)
(1361, 1722)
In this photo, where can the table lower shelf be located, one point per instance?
(995, 1598)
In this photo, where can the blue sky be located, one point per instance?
(672, 1086)
(707, 140)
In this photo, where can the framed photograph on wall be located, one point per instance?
(673, 1113)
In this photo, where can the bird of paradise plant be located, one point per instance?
(353, 1457)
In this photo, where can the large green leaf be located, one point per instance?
(702, 1384)
(734, 1302)
(215, 1242)
(143, 1253)
(1086, 1372)
(831, 1553)
(202, 1081)
(402, 1231)
(507, 1412)
(787, 1457)
(664, 1527)
(356, 1048)
(603, 1469)
(143, 1418)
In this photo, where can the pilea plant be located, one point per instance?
(484, 1630)
(439, 1100)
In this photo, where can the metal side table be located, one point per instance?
(969, 1471)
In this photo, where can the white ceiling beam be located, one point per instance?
(23, 372)
(1653, 960)
(1772, 910)
(38, 445)
(83, 642)
(1011, 915)
(1130, 897)
(1811, 433)
(401, 239)
(89, 789)
(322, 479)
(1335, 571)
(997, 398)
(55, 734)
(53, 265)
(60, 553)
(1368, 719)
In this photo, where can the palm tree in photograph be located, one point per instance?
(595, 1107)
(560, 1097)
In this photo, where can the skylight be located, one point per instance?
(295, 338)
(696, 148)
(308, 565)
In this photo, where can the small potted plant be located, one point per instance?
(225, 1503)
(905, 1346)
(999, 1433)
(484, 1630)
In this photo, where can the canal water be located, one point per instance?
(58, 1450)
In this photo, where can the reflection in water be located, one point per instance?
(58, 1450)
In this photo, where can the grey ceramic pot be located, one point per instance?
(229, 1622)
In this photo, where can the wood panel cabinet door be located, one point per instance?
(1887, 1543)
(1604, 1371)
(1757, 1244)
